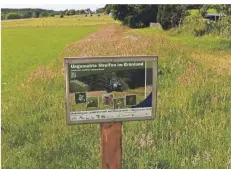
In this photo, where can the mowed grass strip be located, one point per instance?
(24, 49)
(76, 20)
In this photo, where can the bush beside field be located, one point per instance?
(197, 26)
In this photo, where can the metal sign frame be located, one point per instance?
(98, 59)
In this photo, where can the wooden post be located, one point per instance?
(111, 145)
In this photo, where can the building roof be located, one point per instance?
(212, 15)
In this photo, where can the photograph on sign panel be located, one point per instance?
(131, 100)
(110, 86)
(119, 103)
(92, 102)
(107, 99)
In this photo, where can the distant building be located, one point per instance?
(155, 25)
(214, 17)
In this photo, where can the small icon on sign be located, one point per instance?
(73, 75)
(107, 99)
(130, 100)
(92, 102)
(118, 103)
(80, 98)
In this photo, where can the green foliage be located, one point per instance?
(51, 14)
(171, 16)
(35, 14)
(194, 6)
(193, 24)
(67, 13)
(222, 9)
(227, 9)
(26, 14)
(72, 12)
(43, 14)
(82, 11)
(204, 10)
(77, 12)
(100, 10)
(135, 16)
(12, 15)
(108, 9)
(3, 16)
(61, 16)
(197, 26)
(221, 28)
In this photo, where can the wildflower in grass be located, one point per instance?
(182, 164)
(136, 138)
(143, 126)
(142, 143)
(207, 156)
(153, 148)
(150, 141)
(229, 164)
(196, 159)
(177, 134)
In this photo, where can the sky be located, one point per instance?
(93, 7)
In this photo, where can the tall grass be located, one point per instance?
(192, 128)
(27, 111)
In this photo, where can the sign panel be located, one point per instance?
(107, 89)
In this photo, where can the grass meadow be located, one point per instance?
(75, 20)
(192, 129)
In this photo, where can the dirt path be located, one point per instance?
(110, 41)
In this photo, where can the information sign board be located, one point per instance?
(109, 89)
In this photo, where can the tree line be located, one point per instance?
(7, 13)
(134, 16)
(169, 16)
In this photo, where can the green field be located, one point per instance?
(78, 20)
(192, 128)
(45, 44)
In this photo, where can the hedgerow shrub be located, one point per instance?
(135, 16)
(194, 25)
(171, 16)
(224, 26)
(3, 16)
(13, 15)
(197, 26)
